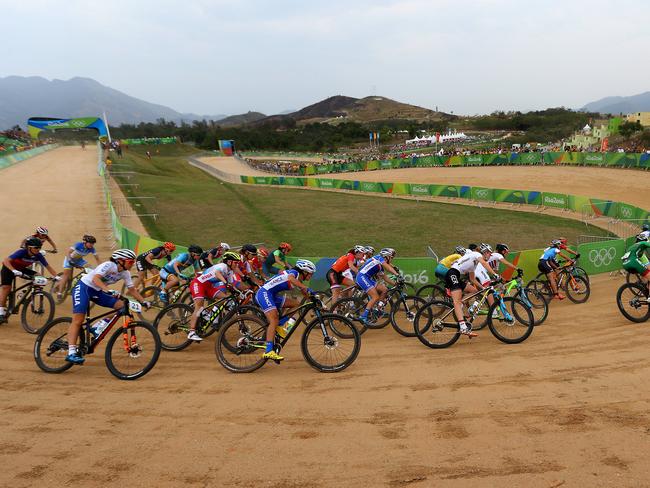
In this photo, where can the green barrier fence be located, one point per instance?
(14, 158)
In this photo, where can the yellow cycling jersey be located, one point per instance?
(449, 260)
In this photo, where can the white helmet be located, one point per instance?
(42, 231)
(123, 254)
(224, 246)
(485, 247)
(370, 250)
(359, 248)
(387, 252)
(306, 265)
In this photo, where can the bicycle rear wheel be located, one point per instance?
(633, 302)
(152, 295)
(431, 292)
(37, 311)
(133, 350)
(543, 287)
(240, 344)
(51, 346)
(323, 346)
(536, 301)
(577, 289)
(436, 326)
(514, 325)
(350, 308)
(402, 315)
(173, 325)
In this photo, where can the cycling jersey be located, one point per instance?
(182, 261)
(210, 274)
(21, 259)
(268, 296)
(373, 266)
(468, 262)
(79, 250)
(449, 260)
(634, 259)
(482, 275)
(549, 254)
(280, 282)
(646, 234)
(343, 263)
(494, 260)
(109, 274)
(213, 253)
(155, 253)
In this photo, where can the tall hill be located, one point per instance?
(617, 105)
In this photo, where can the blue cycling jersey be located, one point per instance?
(373, 266)
(79, 250)
(183, 260)
(549, 253)
(280, 282)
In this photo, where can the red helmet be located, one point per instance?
(169, 246)
(263, 252)
(286, 246)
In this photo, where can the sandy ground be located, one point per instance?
(233, 166)
(285, 158)
(568, 407)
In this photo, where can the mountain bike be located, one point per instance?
(242, 340)
(37, 304)
(131, 351)
(173, 321)
(575, 286)
(531, 297)
(77, 274)
(509, 319)
(633, 300)
(432, 291)
(179, 294)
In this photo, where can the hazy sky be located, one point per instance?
(221, 56)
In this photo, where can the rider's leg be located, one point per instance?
(65, 277)
(4, 293)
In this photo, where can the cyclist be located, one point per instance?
(207, 258)
(374, 266)
(635, 259)
(17, 264)
(211, 284)
(277, 260)
(171, 274)
(262, 254)
(271, 302)
(144, 261)
(44, 235)
(498, 257)
(446, 262)
(564, 247)
(645, 230)
(548, 264)
(249, 266)
(93, 287)
(75, 259)
(455, 281)
(348, 262)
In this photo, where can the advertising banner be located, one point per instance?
(601, 257)
(420, 189)
(450, 191)
(596, 159)
(555, 200)
(518, 196)
(483, 194)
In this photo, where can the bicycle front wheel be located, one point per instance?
(436, 326)
(133, 350)
(323, 346)
(37, 311)
(431, 292)
(537, 303)
(633, 302)
(173, 325)
(402, 315)
(51, 346)
(351, 308)
(241, 343)
(152, 295)
(577, 289)
(543, 287)
(513, 323)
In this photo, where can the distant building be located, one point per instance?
(642, 118)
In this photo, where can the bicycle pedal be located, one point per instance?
(276, 361)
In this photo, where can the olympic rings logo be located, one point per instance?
(602, 257)
(626, 212)
(481, 193)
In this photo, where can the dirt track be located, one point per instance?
(569, 407)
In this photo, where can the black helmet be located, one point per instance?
(89, 238)
(34, 242)
(249, 248)
(501, 248)
(472, 247)
(194, 249)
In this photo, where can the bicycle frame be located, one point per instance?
(13, 306)
(91, 342)
(485, 292)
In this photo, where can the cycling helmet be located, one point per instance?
(286, 246)
(194, 249)
(562, 239)
(502, 248)
(485, 247)
(249, 248)
(224, 246)
(231, 256)
(359, 248)
(460, 250)
(34, 242)
(641, 237)
(472, 247)
(89, 238)
(387, 252)
(556, 243)
(645, 226)
(169, 246)
(42, 231)
(263, 252)
(370, 250)
(123, 254)
(306, 266)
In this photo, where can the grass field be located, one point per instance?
(194, 207)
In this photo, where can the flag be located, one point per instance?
(604, 144)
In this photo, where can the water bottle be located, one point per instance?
(282, 329)
(100, 326)
(206, 314)
(473, 307)
(291, 323)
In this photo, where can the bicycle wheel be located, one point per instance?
(543, 287)
(435, 325)
(241, 343)
(323, 346)
(402, 315)
(431, 292)
(537, 303)
(51, 346)
(379, 316)
(632, 300)
(37, 311)
(632, 277)
(577, 289)
(578, 271)
(350, 308)
(481, 317)
(133, 350)
(173, 325)
(512, 325)
(151, 294)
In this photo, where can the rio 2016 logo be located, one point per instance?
(481, 193)
(602, 257)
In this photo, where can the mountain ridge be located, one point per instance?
(620, 104)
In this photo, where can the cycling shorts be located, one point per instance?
(82, 295)
(347, 274)
(441, 271)
(141, 264)
(454, 280)
(208, 289)
(544, 266)
(365, 282)
(164, 274)
(334, 278)
(636, 267)
(7, 276)
(267, 301)
(73, 263)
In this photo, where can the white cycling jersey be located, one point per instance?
(468, 262)
(494, 260)
(109, 274)
(210, 273)
(482, 275)
(646, 234)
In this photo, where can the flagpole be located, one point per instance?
(107, 129)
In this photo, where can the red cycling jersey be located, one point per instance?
(343, 263)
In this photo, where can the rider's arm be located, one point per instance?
(488, 268)
(97, 258)
(97, 281)
(474, 281)
(508, 263)
(7, 263)
(352, 267)
(297, 283)
(52, 271)
(391, 270)
(280, 261)
(149, 258)
(49, 239)
(133, 291)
